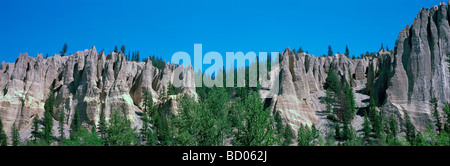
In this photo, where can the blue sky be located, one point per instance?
(165, 27)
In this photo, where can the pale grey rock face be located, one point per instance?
(418, 70)
(87, 82)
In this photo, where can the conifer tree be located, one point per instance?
(287, 135)
(393, 126)
(47, 131)
(145, 128)
(102, 127)
(337, 131)
(278, 123)
(410, 129)
(61, 124)
(15, 135)
(347, 52)
(120, 132)
(3, 137)
(122, 49)
(170, 89)
(366, 128)
(300, 50)
(330, 51)
(257, 129)
(446, 110)
(115, 49)
(434, 104)
(76, 124)
(35, 133)
(64, 49)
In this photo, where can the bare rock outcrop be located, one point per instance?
(417, 71)
(87, 81)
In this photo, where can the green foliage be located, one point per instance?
(145, 129)
(157, 62)
(278, 123)
(337, 131)
(255, 127)
(76, 123)
(332, 81)
(115, 49)
(347, 52)
(308, 136)
(438, 123)
(35, 133)
(61, 124)
(287, 135)
(3, 137)
(171, 89)
(366, 127)
(83, 137)
(122, 49)
(330, 51)
(47, 122)
(15, 135)
(120, 132)
(410, 129)
(446, 110)
(64, 49)
(300, 50)
(196, 124)
(103, 127)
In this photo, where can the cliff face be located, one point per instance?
(419, 71)
(87, 81)
(302, 76)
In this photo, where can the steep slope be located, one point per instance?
(418, 71)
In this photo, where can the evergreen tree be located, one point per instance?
(103, 127)
(347, 52)
(278, 123)
(346, 132)
(76, 124)
(446, 110)
(434, 104)
(82, 137)
(366, 128)
(122, 49)
(148, 103)
(120, 132)
(410, 129)
(330, 51)
(15, 135)
(145, 128)
(170, 89)
(3, 137)
(255, 127)
(47, 131)
(35, 133)
(64, 49)
(305, 136)
(393, 126)
(337, 131)
(115, 49)
(332, 81)
(300, 50)
(287, 135)
(381, 46)
(61, 124)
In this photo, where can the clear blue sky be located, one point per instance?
(164, 27)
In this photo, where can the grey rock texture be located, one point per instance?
(87, 81)
(418, 71)
(301, 77)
